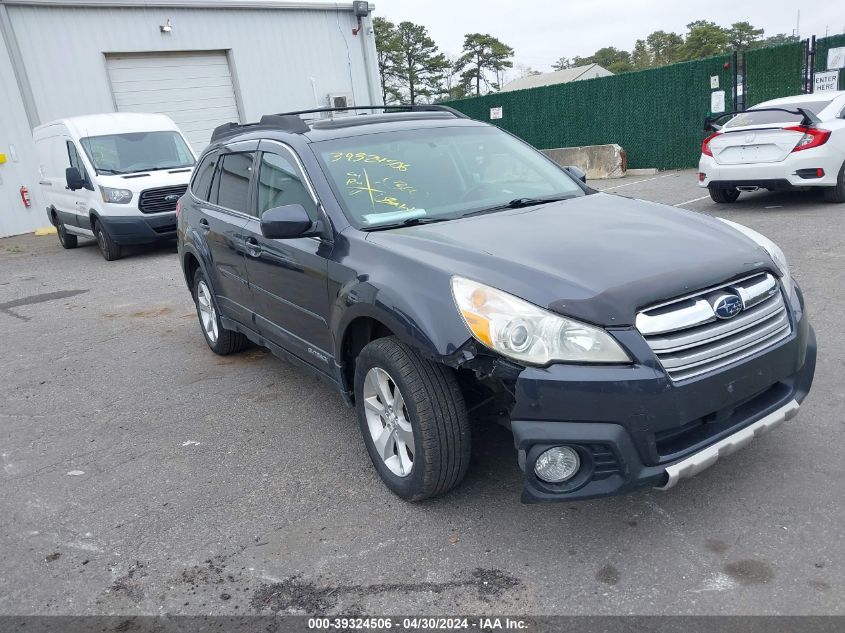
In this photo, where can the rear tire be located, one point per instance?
(413, 419)
(108, 247)
(837, 193)
(220, 340)
(723, 196)
(67, 240)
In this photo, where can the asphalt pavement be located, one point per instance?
(141, 474)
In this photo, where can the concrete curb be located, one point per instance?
(649, 171)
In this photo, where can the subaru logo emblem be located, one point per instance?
(173, 197)
(727, 306)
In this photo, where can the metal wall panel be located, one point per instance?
(281, 59)
(21, 166)
(193, 89)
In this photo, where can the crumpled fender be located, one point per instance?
(426, 322)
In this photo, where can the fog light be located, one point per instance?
(557, 464)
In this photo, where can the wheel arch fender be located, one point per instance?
(431, 326)
(196, 255)
(435, 331)
(93, 217)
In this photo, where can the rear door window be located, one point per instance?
(230, 188)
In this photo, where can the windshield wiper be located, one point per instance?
(152, 168)
(408, 222)
(520, 203)
(113, 172)
(167, 167)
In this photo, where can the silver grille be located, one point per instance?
(690, 339)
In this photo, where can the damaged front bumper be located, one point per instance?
(632, 426)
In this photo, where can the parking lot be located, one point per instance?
(144, 474)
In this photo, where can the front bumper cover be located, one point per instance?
(704, 459)
(140, 229)
(616, 417)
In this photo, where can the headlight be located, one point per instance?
(767, 245)
(116, 196)
(529, 334)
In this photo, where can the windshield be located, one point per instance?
(137, 151)
(765, 117)
(436, 174)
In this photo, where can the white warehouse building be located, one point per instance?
(201, 62)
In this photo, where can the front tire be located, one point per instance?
(220, 340)
(413, 419)
(723, 196)
(837, 193)
(109, 249)
(67, 240)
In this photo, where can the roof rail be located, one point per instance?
(288, 123)
(400, 108)
(291, 121)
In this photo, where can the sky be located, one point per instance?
(542, 31)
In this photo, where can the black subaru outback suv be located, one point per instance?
(436, 269)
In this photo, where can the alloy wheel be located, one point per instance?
(387, 420)
(208, 315)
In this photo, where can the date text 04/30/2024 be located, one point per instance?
(418, 623)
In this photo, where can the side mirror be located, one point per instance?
(74, 179)
(287, 222)
(577, 173)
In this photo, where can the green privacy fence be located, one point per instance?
(774, 72)
(655, 114)
(778, 71)
(822, 46)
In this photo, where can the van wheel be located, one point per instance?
(219, 339)
(109, 249)
(413, 419)
(66, 239)
(721, 195)
(837, 193)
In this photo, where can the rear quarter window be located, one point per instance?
(201, 184)
(231, 182)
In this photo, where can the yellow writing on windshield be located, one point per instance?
(380, 192)
(364, 157)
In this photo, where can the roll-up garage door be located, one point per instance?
(194, 89)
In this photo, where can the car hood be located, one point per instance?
(147, 179)
(598, 258)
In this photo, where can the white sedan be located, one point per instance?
(781, 144)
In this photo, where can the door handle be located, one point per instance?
(253, 248)
(204, 225)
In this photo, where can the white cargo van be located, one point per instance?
(113, 177)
